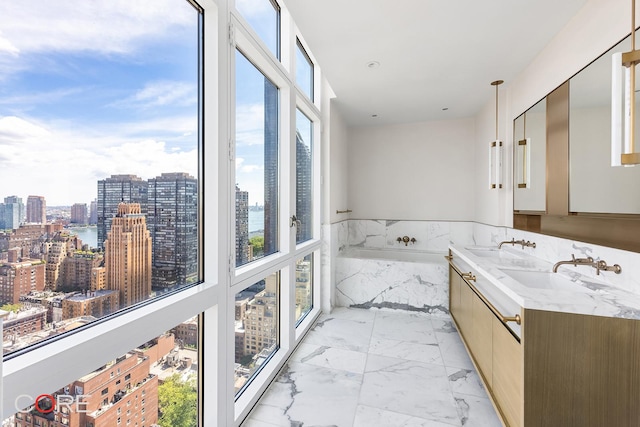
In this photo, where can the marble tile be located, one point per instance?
(461, 233)
(341, 333)
(476, 411)
(418, 230)
(438, 235)
(414, 328)
(427, 353)
(330, 357)
(367, 416)
(356, 314)
(408, 387)
(465, 381)
(367, 233)
(257, 423)
(452, 349)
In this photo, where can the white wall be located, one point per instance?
(418, 171)
(338, 167)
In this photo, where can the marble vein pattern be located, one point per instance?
(375, 368)
(379, 283)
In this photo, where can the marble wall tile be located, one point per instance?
(367, 233)
(371, 283)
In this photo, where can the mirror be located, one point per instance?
(530, 150)
(594, 185)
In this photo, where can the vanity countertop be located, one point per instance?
(511, 279)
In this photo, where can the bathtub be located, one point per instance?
(393, 279)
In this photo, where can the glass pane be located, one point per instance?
(264, 18)
(112, 92)
(304, 71)
(304, 177)
(256, 328)
(304, 286)
(153, 384)
(256, 163)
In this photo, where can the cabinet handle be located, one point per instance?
(467, 277)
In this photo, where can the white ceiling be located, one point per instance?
(433, 54)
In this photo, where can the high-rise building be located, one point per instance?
(304, 190)
(93, 212)
(120, 393)
(36, 210)
(113, 191)
(172, 218)
(79, 213)
(77, 270)
(242, 226)
(259, 321)
(12, 213)
(18, 278)
(271, 166)
(90, 303)
(128, 255)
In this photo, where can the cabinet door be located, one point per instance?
(464, 319)
(481, 341)
(508, 377)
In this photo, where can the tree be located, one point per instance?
(258, 245)
(178, 403)
(11, 307)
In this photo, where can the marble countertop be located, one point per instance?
(511, 279)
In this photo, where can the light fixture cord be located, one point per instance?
(497, 112)
(632, 82)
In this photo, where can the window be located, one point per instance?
(256, 163)
(264, 18)
(122, 101)
(258, 300)
(161, 366)
(304, 286)
(304, 71)
(304, 177)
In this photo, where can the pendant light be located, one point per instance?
(495, 151)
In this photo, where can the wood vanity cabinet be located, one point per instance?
(565, 370)
(495, 352)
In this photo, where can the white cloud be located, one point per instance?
(161, 93)
(64, 163)
(250, 124)
(106, 27)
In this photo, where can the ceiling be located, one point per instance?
(433, 54)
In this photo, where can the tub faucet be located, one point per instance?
(406, 240)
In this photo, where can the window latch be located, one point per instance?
(295, 222)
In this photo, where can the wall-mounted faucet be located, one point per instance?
(406, 240)
(600, 265)
(514, 242)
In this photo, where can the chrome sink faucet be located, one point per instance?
(600, 265)
(514, 242)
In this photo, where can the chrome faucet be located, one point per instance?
(514, 242)
(600, 265)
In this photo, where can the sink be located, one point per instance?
(489, 252)
(545, 281)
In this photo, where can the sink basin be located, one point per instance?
(545, 281)
(492, 253)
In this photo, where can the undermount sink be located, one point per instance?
(545, 280)
(489, 252)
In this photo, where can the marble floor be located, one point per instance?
(370, 368)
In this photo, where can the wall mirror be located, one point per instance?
(594, 185)
(530, 150)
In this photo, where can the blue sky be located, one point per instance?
(90, 89)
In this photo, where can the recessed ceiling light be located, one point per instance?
(445, 108)
(373, 64)
(375, 116)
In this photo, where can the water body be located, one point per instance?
(256, 220)
(88, 235)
